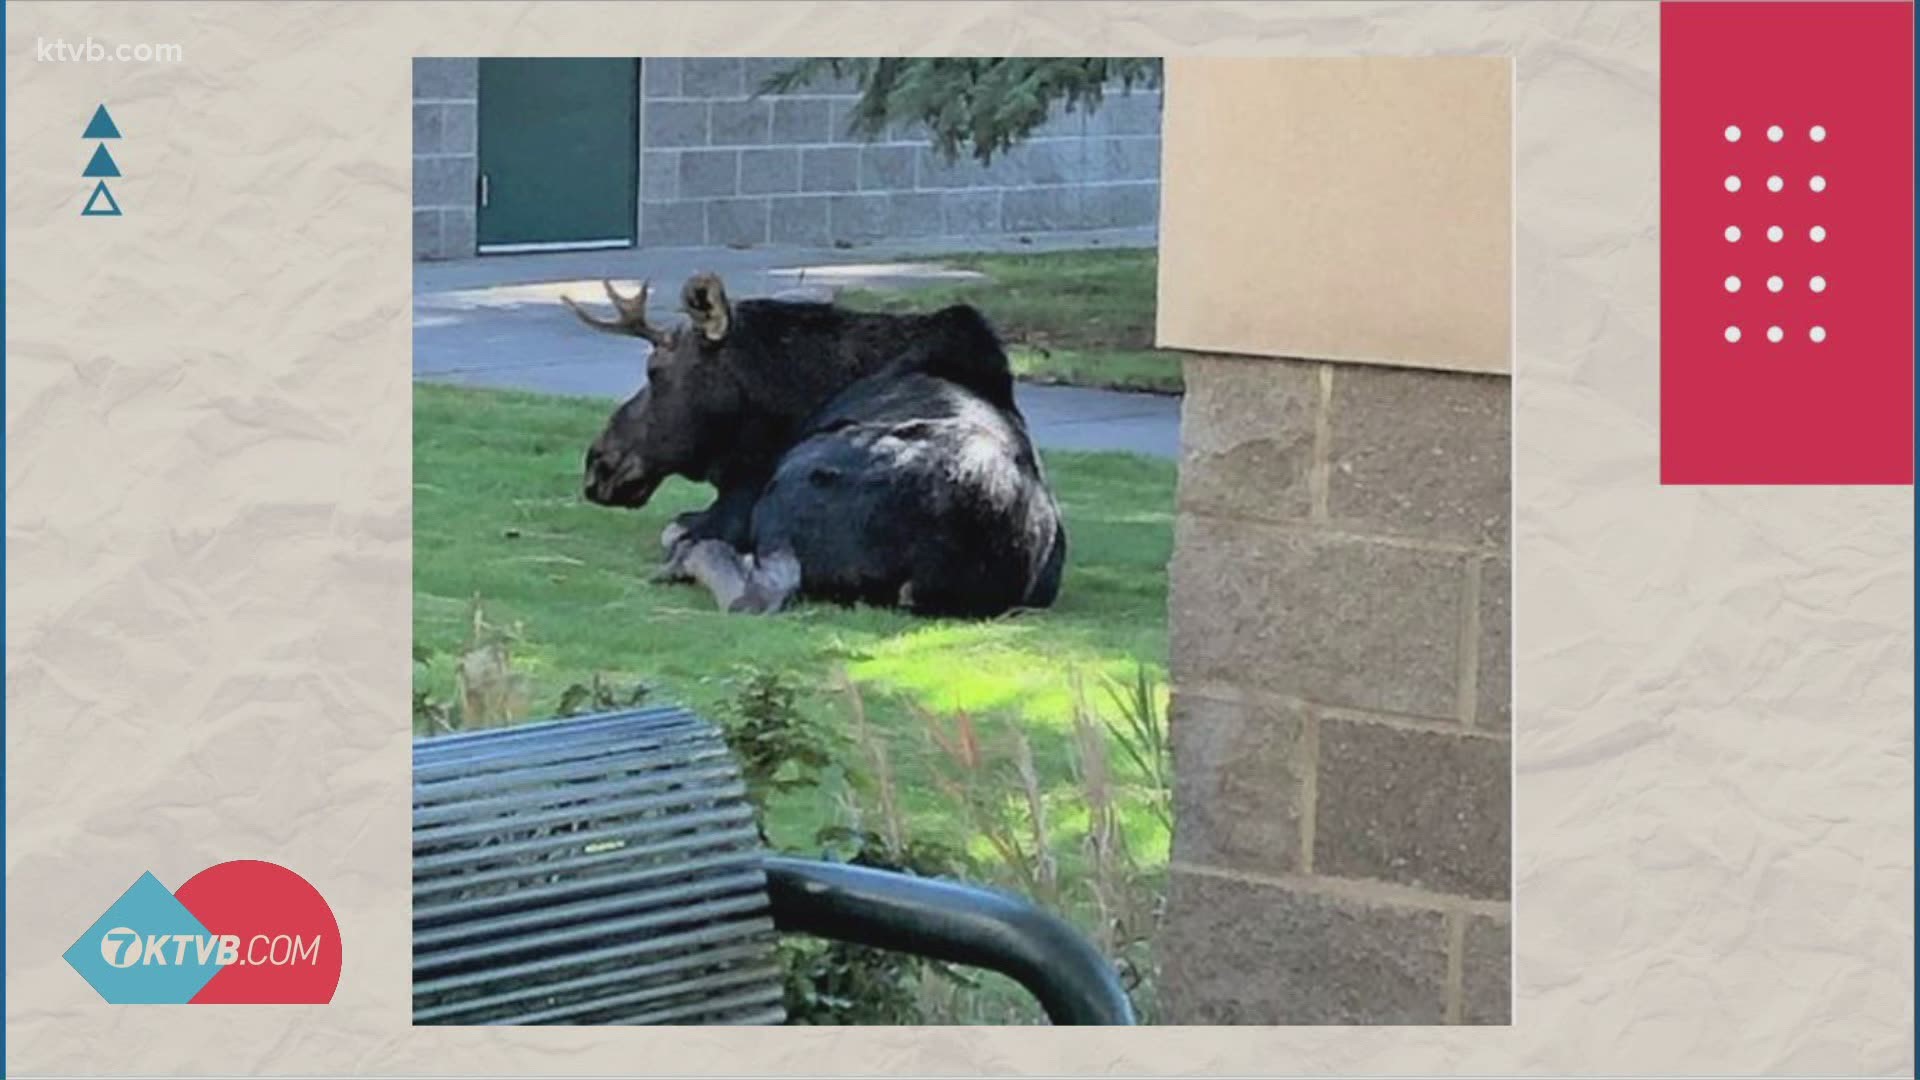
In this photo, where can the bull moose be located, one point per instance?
(856, 457)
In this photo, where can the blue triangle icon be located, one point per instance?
(101, 126)
(100, 190)
(102, 164)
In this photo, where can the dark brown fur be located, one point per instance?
(861, 456)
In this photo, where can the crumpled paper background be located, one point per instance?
(208, 566)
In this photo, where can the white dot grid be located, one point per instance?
(1775, 234)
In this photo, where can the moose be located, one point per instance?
(856, 457)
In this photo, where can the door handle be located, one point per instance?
(485, 191)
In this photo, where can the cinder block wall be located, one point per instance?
(446, 162)
(719, 166)
(1339, 611)
(1339, 607)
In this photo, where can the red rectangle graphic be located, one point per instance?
(1786, 243)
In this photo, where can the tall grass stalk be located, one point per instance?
(992, 787)
(893, 827)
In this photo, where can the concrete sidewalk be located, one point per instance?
(497, 322)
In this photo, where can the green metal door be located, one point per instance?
(559, 150)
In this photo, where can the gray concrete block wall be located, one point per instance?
(1341, 722)
(720, 166)
(446, 162)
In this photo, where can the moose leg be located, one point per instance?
(729, 520)
(743, 583)
(676, 540)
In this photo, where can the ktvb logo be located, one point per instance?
(244, 932)
(123, 947)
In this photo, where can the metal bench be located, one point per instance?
(607, 870)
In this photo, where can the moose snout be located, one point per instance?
(598, 483)
(618, 479)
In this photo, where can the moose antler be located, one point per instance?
(631, 314)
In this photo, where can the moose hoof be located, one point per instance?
(673, 569)
(717, 566)
(772, 580)
(744, 585)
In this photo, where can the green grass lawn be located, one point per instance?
(498, 516)
(1083, 318)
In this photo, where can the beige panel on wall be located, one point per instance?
(1342, 209)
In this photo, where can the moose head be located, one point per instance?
(678, 422)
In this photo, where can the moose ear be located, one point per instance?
(706, 302)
